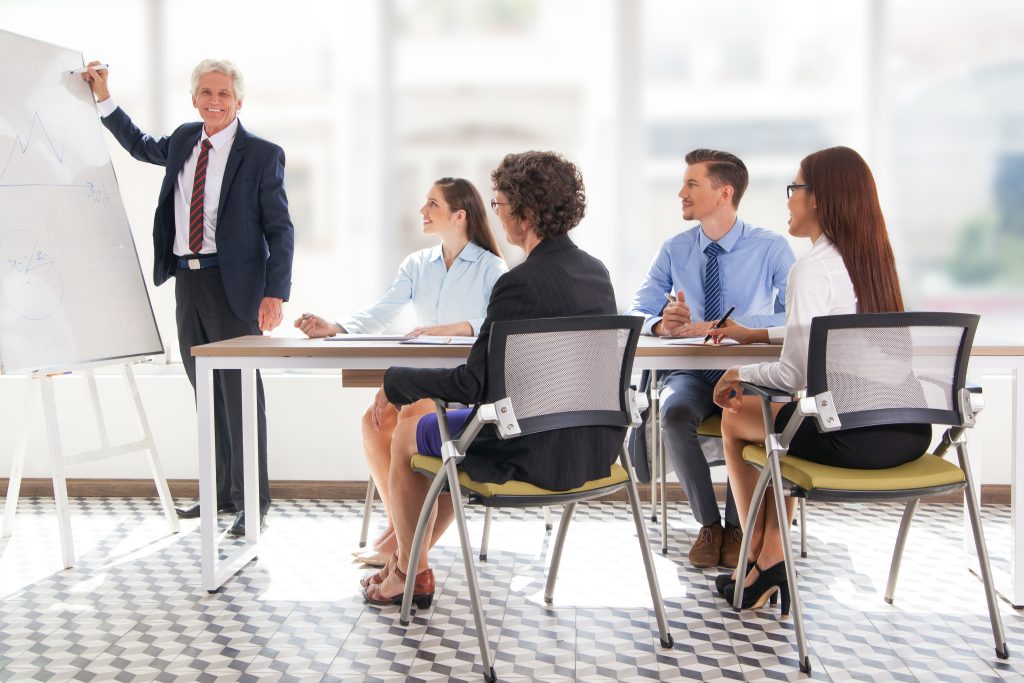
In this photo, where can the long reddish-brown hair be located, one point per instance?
(851, 217)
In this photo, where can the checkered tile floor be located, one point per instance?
(132, 610)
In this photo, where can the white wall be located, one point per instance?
(314, 430)
(314, 425)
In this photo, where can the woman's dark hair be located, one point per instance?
(543, 187)
(462, 195)
(851, 217)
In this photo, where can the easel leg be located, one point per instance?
(18, 463)
(166, 502)
(97, 409)
(60, 484)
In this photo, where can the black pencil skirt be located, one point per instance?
(866, 448)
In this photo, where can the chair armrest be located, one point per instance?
(767, 393)
(637, 402)
(448, 405)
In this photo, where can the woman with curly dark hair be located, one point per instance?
(539, 198)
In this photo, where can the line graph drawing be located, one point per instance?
(22, 156)
(30, 278)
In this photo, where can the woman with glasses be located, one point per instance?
(448, 286)
(849, 269)
(539, 199)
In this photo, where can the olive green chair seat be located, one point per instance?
(929, 475)
(520, 493)
(711, 426)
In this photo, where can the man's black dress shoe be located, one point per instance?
(238, 528)
(193, 512)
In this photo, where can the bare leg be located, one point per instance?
(377, 446)
(771, 548)
(408, 492)
(739, 429)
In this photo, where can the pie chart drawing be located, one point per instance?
(31, 280)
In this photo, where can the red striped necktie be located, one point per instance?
(195, 212)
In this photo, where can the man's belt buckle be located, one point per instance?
(194, 264)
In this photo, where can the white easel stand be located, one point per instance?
(61, 462)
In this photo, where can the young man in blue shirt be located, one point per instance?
(719, 263)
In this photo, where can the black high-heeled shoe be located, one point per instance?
(769, 585)
(723, 580)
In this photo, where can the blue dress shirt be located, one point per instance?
(753, 269)
(438, 295)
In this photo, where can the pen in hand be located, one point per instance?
(98, 67)
(719, 323)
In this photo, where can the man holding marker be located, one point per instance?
(722, 262)
(223, 231)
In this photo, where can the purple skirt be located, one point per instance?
(428, 435)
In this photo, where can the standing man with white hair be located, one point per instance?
(223, 231)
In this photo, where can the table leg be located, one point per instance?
(1017, 490)
(249, 453)
(207, 474)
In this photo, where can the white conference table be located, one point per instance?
(363, 362)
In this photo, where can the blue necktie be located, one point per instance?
(712, 297)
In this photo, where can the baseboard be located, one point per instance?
(991, 494)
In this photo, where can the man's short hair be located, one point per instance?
(723, 169)
(222, 66)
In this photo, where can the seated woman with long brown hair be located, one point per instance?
(850, 269)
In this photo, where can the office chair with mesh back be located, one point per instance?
(877, 369)
(543, 375)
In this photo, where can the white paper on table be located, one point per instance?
(368, 337)
(428, 339)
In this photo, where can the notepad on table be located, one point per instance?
(699, 341)
(427, 339)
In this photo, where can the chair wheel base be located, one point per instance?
(805, 666)
(490, 676)
(1003, 652)
(667, 641)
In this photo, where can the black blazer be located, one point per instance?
(557, 279)
(255, 237)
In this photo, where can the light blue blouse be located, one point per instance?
(438, 295)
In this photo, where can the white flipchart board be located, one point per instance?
(72, 291)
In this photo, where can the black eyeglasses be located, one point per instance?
(790, 188)
(495, 204)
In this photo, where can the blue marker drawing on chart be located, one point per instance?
(29, 276)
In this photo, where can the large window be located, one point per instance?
(374, 99)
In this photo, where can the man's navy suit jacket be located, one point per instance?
(255, 237)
